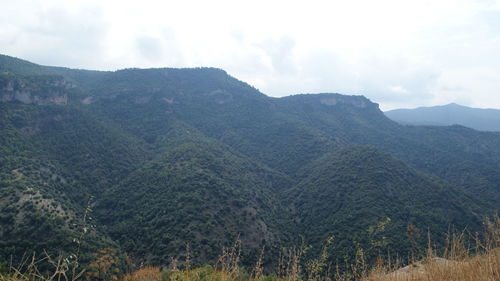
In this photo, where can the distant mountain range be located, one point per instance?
(450, 114)
(147, 161)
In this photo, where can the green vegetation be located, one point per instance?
(197, 193)
(457, 263)
(146, 161)
(365, 197)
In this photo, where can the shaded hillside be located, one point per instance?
(462, 156)
(362, 196)
(195, 156)
(450, 114)
(50, 167)
(199, 193)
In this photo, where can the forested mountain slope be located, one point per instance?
(362, 194)
(162, 158)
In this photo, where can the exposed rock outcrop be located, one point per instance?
(39, 90)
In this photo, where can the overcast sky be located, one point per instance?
(397, 53)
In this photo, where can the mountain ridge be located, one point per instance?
(483, 119)
(198, 157)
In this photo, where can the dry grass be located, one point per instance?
(484, 267)
(63, 269)
(457, 264)
(147, 273)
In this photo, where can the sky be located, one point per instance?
(398, 53)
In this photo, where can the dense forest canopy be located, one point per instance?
(147, 161)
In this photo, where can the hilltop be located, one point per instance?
(148, 163)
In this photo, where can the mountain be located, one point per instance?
(362, 194)
(198, 192)
(153, 162)
(450, 114)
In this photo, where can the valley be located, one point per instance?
(148, 163)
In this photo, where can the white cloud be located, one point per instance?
(398, 90)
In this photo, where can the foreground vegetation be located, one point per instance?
(461, 260)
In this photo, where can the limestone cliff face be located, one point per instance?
(333, 101)
(355, 101)
(39, 90)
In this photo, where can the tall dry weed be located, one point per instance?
(457, 263)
